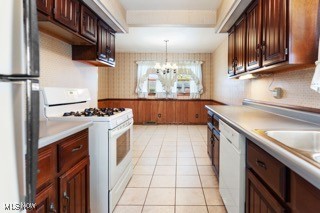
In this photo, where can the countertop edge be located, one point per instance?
(45, 141)
(295, 163)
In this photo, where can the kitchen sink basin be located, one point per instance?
(308, 141)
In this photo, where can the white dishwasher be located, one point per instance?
(232, 168)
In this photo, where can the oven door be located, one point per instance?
(120, 151)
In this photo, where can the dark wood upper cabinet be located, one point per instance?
(274, 39)
(88, 24)
(231, 53)
(253, 44)
(106, 43)
(281, 35)
(67, 12)
(240, 46)
(45, 6)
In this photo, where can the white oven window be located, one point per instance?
(123, 146)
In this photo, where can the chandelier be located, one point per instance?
(166, 68)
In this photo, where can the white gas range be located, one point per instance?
(110, 142)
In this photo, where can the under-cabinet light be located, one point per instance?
(248, 76)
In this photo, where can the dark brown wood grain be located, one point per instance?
(45, 6)
(304, 196)
(258, 198)
(253, 44)
(46, 166)
(67, 12)
(88, 24)
(72, 149)
(274, 28)
(240, 45)
(270, 170)
(74, 189)
(231, 52)
(45, 201)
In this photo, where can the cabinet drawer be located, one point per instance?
(72, 149)
(46, 168)
(270, 170)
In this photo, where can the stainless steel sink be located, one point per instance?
(308, 141)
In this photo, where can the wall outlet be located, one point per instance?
(277, 93)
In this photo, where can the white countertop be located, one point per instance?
(246, 119)
(52, 131)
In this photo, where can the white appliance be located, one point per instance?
(232, 168)
(110, 142)
(19, 95)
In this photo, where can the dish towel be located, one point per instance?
(315, 84)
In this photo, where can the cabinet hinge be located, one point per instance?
(286, 51)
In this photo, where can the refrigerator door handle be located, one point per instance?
(32, 139)
(32, 37)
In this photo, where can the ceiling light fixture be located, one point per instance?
(166, 68)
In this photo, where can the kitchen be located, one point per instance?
(219, 128)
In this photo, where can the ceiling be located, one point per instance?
(170, 4)
(181, 40)
(190, 28)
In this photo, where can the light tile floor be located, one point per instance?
(172, 172)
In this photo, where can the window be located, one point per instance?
(186, 82)
(183, 84)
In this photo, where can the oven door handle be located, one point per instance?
(120, 131)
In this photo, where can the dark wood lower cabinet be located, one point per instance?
(304, 196)
(273, 187)
(74, 189)
(46, 201)
(259, 199)
(65, 190)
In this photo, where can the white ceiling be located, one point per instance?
(181, 40)
(187, 24)
(170, 4)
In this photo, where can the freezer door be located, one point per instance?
(19, 43)
(19, 132)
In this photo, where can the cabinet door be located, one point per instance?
(304, 196)
(74, 189)
(182, 112)
(67, 13)
(193, 112)
(274, 41)
(88, 27)
(45, 201)
(240, 45)
(111, 47)
(258, 198)
(253, 59)
(216, 151)
(102, 41)
(231, 46)
(45, 6)
(171, 112)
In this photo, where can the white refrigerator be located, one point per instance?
(19, 104)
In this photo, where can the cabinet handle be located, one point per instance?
(258, 50)
(52, 208)
(212, 140)
(263, 48)
(77, 148)
(65, 196)
(261, 164)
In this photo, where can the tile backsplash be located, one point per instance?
(120, 82)
(58, 70)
